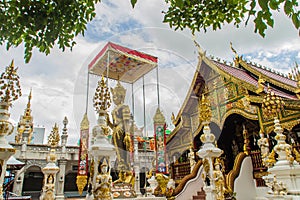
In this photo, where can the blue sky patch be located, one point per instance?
(101, 29)
(283, 62)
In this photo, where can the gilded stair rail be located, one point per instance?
(234, 173)
(183, 182)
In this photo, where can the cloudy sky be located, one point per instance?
(58, 81)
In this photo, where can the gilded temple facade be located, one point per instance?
(236, 92)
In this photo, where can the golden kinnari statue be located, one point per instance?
(219, 179)
(103, 183)
(263, 144)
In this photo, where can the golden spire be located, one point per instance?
(159, 117)
(26, 120)
(84, 122)
(53, 138)
(102, 99)
(204, 110)
(27, 112)
(10, 89)
(29, 99)
(272, 104)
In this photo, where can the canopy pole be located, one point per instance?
(157, 87)
(144, 102)
(107, 68)
(132, 99)
(87, 91)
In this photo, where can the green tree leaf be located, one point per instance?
(133, 2)
(42, 24)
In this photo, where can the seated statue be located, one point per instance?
(124, 186)
(121, 126)
(103, 183)
(125, 177)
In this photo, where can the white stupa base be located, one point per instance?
(60, 197)
(278, 197)
(288, 174)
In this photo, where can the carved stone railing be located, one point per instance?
(180, 170)
(259, 170)
(234, 173)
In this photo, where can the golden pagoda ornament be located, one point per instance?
(272, 104)
(54, 138)
(9, 84)
(102, 100)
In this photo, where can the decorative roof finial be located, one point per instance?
(237, 59)
(297, 74)
(200, 50)
(102, 99)
(272, 104)
(260, 85)
(10, 89)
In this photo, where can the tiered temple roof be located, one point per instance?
(243, 79)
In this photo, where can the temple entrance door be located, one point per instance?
(231, 140)
(70, 187)
(33, 182)
(143, 179)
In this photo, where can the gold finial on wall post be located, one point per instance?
(54, 138)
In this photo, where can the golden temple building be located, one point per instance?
(236, 92)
